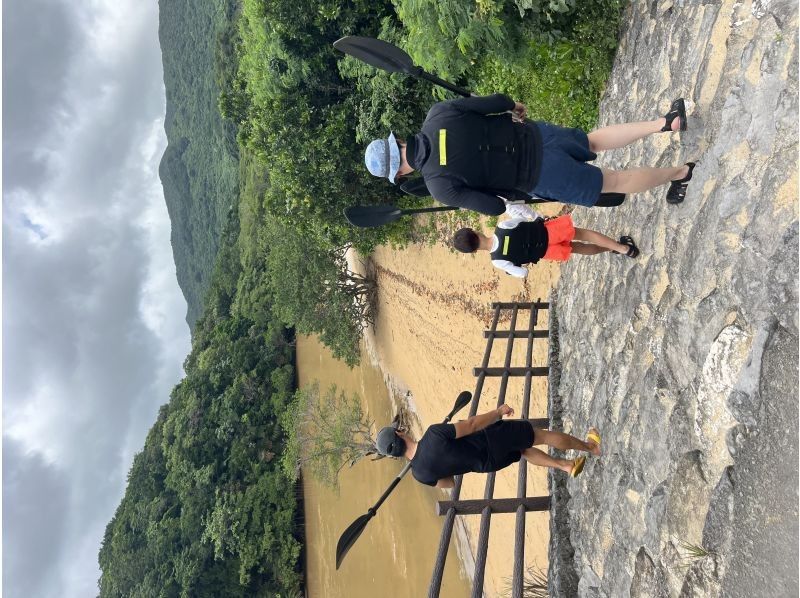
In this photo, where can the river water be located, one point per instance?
(394, 556)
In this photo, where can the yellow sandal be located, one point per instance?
(577, 467)
(593, 436)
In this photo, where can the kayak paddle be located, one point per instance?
(352, 533)
(389, 58)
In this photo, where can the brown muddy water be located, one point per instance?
(394, 556)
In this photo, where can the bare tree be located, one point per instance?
(326, 433)
(361, 289)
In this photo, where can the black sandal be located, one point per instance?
(677, 110)
(677, 189)
(633, 250)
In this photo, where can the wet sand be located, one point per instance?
(434, 305)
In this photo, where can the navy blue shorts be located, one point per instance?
(565, 175)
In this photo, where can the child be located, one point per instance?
(527, 237)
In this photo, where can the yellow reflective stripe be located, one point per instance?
(442, 147)
(505, 245)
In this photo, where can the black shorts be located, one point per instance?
(507, 439)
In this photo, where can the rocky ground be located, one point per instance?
(687, 358)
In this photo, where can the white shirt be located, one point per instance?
(517, 213)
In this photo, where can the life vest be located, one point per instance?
(462, 148)
(526, 243)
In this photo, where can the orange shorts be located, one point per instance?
(560, 233)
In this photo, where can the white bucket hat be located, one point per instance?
(383, 157)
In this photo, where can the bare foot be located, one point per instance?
(595, 450)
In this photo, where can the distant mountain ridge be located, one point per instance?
(199, 169)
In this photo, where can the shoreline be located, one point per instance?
(402, 398)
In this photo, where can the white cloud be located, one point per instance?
(93, 320)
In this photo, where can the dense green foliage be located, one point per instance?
(209, 510)
(325, 433)
(560, 78)
(451, 37)
(304, 282)
(199, 168)
(297, 113)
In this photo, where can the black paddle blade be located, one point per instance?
(462, 400)
(377, 53)
(371, 216)
(350, 536)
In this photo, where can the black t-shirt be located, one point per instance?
(440, 454)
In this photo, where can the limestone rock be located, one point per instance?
(686, 358)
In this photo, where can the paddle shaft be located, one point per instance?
(447, 208)
(391, 487)
(421, 210)
(442, 83)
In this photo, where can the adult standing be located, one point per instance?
(482, 443)
(475, 152)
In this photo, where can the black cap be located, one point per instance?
(389, 443)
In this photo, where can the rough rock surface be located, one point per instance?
(686, 359)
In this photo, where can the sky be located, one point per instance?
(93, 322)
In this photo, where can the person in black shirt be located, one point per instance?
(476, 152)
(482, 443)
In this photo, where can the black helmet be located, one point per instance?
(389, 443)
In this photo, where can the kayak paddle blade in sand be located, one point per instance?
(354, 530)
(390, 58)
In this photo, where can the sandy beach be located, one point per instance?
(434, 305)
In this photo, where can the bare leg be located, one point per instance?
(587, 248)
(562, 442)
(542, 459)
(599, 239)
(615, 136)
(640, 179)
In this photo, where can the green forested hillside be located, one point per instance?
(208, 511)
(199, 170)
